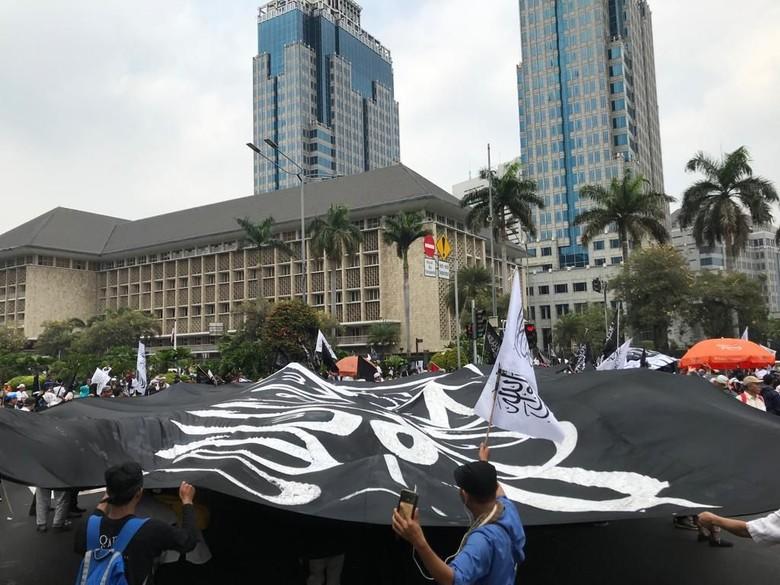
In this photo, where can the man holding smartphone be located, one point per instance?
(493, 546)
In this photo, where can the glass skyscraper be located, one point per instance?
(323, 91)
(588, 112)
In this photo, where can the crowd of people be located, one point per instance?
(52, 392)
(759, 389)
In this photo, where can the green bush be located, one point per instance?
(447, 359)
(26, 380)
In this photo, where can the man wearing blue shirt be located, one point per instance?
(493, 546)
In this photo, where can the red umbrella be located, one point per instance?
(727, 354)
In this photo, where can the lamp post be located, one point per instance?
(301, 175)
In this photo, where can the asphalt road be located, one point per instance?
(255, 544)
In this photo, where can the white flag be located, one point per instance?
(173, 335)
(745, 334)
(618, 360)
(322, 346)
(101, 378)
(140, 368)
(511, 394)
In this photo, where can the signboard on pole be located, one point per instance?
(443, 247)
(444, 270)
(429, 246)
(430, 267)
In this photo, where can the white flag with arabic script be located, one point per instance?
(512, 383)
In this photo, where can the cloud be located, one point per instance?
(134, 109)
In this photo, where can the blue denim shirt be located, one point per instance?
(492, 552)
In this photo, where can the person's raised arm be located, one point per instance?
(410, 530)
(484, 455)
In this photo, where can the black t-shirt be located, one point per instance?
(149, 542)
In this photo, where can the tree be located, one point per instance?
(628, 203)
(473, 283)
(167, 358)
(402, 230)
(335, 235)
(514, 202)
(290, 327)
(573, 329)
(384, 333)
(655, 283)
(59, 337)
(261, 235)
(718, 297)
(11, 340)
(722, 205)
(115, 328)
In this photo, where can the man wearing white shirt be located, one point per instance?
(21, 393)
(50, 397)
(764, 530)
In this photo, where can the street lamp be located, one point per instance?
(302, 178)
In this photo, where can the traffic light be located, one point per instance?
(530, 334)
(481, 322)
(596, 285)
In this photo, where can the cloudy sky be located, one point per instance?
(137, 108)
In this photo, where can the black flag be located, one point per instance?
(493, 340)
(610, 343)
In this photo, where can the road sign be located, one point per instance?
(429, 246)
(444, 270)
(430, 267)
(444, 248)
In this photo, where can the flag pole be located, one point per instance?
(493, 408)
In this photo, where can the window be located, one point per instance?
(561, 310)
(561, 289)
(529, 291)
(533, 313)
(619, 122)
(616, 69)
(598, 245)
(580, 308)
(580, 287)
(545, 311)
(616, 260)
(621, 140)
(618, 105)
(614, 244)
(546, 251)
(616, 87)
(601, 261)
(544, 290)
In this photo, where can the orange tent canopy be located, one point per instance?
(726, 354)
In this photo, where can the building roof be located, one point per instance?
(62, 229)
(382, 191)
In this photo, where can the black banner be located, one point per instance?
(344, 451)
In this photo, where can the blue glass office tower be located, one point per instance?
(588, 111)
(323, 91)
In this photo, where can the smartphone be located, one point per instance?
(407, 503)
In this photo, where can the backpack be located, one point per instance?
(106, 566)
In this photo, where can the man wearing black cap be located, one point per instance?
(493, 545)
(124, 488)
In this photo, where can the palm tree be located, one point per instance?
(334, 235)
(260, 234)
(722, 206)
(636, 211)
(402, 230)
(514, 201)
(473, 283)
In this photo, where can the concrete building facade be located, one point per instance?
(194, 268)
(588, 111)
(323, 92)
(759, 260)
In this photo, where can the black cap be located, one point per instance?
(477, 479)
(123, 481)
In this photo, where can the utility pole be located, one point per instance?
(457, 304)
(491, 220)
(474, 330)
